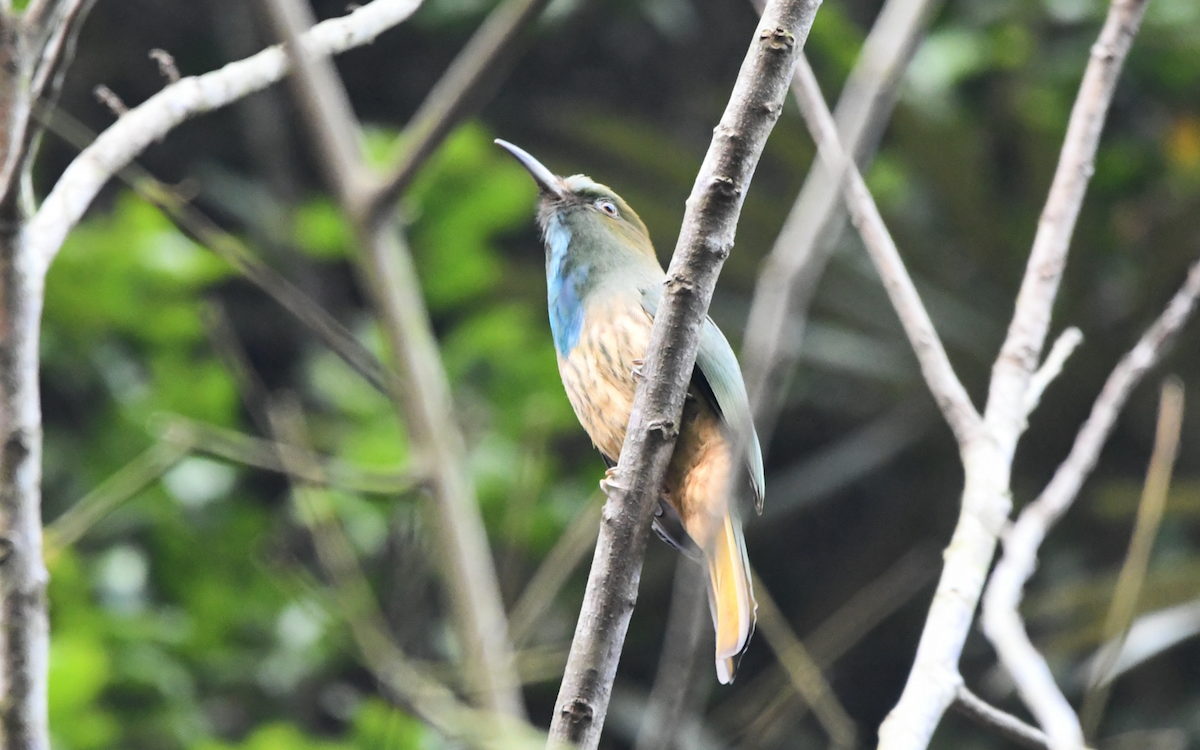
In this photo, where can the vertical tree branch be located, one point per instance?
(1031, 314)
(24, 627)
(987, 461)
(705, 240)
(425, 404)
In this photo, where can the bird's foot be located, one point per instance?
(637, 369)
(608, 482)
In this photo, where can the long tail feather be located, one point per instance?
(730, 597)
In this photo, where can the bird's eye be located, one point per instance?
(607, 206)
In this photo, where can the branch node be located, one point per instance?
(579, 714)
(778, 38)
(680, 282)
(665, 427)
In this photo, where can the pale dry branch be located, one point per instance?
(705, 240)
(1001, 722)
(1022, 347)
(1001, 620)
(939, 374)
(150, 121)
(790, 274)
(987, 459)
(424, 404)
(1137, 560)
(1064, 346)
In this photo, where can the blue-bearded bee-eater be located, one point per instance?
(604, 282)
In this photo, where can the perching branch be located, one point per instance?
(424, 404)
(705, 240)
(1001, 620)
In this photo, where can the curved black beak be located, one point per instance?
(547, 181)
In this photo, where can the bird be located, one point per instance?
(604, 283)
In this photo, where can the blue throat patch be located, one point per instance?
(564, 281)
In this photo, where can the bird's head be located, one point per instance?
(589, 214)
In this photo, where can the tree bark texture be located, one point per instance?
(24, 628)
(704, 243)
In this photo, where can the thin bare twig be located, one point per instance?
(1137, 561)
(947, 390)
(109, 494)
(790, 274)
(425, 404)
(111, 100)
(316, 469)
(356, 604)
(1001, 620)
(1001, 722)
(461, 89)
(166, 64)
(705, 240)
(556, 568)
(673, 683)
(803, 671)
(1064, 345)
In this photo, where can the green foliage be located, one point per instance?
(178, 602)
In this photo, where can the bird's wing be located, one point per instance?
(719, 378)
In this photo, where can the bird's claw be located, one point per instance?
(607, 483)
(637, 369)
